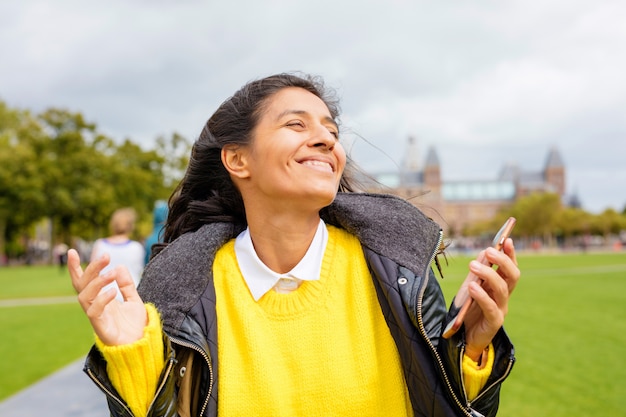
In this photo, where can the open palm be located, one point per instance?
(114, 322)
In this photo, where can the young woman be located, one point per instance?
(119, 246)
(280, 291)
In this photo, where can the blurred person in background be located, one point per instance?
(119, 246)
(159, 216)
(59, 252)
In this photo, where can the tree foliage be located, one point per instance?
(536, 214)
(58, 166)
(20, 180)
(542, 217)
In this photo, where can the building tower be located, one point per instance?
(432, 171)
(554, 172)
(410, 174)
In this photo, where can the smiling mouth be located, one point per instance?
(318, 165)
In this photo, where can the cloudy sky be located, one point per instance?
(484, 82)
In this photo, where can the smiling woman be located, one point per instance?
(209, 192)
(281, 291)
(294, 159)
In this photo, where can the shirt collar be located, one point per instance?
(260, 279)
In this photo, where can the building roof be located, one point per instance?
(432, 159)
(510, 182)
(554, 159)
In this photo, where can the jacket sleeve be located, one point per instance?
(164, 403)
(451, 351)
(134, 368)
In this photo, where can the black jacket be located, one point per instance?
(399, 243)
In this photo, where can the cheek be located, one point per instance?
(340, 154)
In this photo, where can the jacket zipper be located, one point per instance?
(193, 346)
(497, 381)
(107, 392)
(169, 370)
(118, 400)
(439, 361)
(423, 331)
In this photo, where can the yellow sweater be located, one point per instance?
(323, 348)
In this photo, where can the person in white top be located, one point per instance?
(121, 249)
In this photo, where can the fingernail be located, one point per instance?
(475, 265)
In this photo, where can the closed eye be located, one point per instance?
(295, 123)
(299, 124)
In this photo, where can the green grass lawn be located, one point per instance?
(38, 339)
(34, 281)
(567, 318)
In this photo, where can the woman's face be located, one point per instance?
(295, 155)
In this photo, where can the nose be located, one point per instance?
(323, 138)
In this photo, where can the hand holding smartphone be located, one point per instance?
(462, 300)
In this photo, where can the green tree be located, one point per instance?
(536, 215)
(89, 176)
(21, 199)
(139, 178)
(74, 174)
(572, 222)
(608, 222)
(175, 155)
(57, 165)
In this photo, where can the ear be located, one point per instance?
(235, 160)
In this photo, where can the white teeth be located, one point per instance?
(325, 165)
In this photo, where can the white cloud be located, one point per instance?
(482, 81)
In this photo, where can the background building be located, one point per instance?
(457, 204)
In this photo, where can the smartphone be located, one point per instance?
(462, 300)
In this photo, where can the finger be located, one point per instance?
(493, 313)
(90, 292)
(507, 267)
(73, 266)
(509, 249)
(486, 303)
(96, 266)
(91, 272)
(97, 313)
(126, 284)
(471, 277)
(100, 301)
(493, 284)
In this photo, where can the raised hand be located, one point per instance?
(491, 297)
(115, 322)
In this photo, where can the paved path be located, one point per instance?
(19, 302)
(66, 393)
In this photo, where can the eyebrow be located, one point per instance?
(304, 112)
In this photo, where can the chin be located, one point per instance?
(322, 199)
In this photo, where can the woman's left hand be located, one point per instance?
(491, 297)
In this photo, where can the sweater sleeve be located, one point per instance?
(475, 375)
(134, 369)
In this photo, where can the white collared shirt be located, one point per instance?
(260, 279)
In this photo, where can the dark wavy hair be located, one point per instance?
(206, 193)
